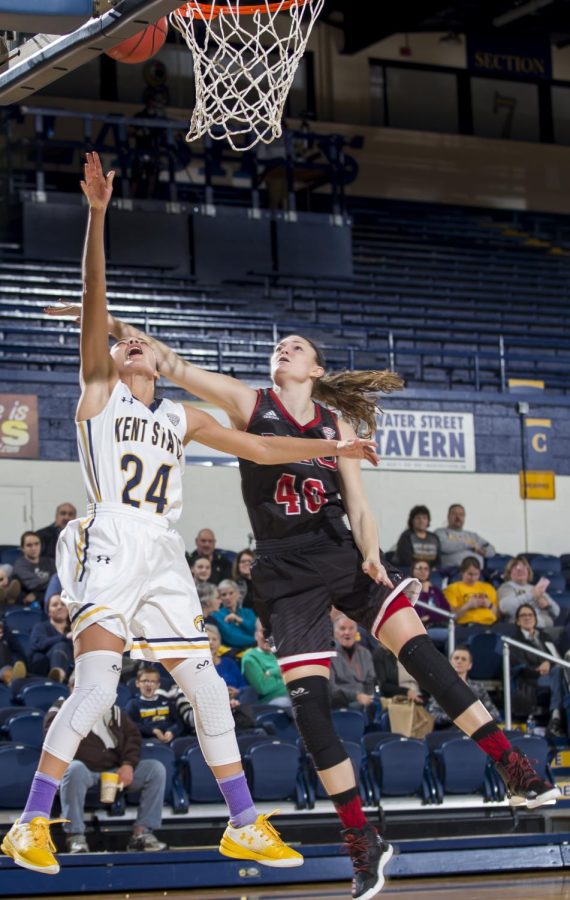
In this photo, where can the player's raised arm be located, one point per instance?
(271, 451)
(97, 372)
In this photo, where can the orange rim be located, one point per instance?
(212, 10)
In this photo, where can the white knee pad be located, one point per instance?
(96, 678)
(208, 694)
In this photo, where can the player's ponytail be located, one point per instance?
(353, 394)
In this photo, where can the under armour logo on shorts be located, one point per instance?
(105, 559)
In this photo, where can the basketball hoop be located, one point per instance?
(245, 59)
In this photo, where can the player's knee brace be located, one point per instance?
(312, 711)
(435, 675)
(96, 678)
(208, 694)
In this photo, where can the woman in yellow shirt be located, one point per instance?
(473, 601)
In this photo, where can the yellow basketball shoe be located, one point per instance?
(259, 842)
(30, 845)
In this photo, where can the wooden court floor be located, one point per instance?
(483, 887)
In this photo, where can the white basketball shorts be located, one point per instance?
(125, 570)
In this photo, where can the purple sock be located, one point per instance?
(238, 798)
(40, 798)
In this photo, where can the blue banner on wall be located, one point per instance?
(539, 457)
(514, 58)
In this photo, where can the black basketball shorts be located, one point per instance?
(295, 586)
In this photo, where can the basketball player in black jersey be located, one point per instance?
(307, 560)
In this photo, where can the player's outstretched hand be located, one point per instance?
(64, 311)
(358, 448)
(73, 311)
(376, 571)
(97, 187)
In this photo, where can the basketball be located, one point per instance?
(141, 46)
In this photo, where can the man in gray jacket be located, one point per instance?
(457, 543)
(352, 670)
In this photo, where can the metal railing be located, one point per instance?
(450, 622)
(507, 644)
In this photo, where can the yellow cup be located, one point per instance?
(109, 786)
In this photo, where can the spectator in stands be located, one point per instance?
(51, 643)
(417, 542)
(241, 574)
(64, 513)
(10, 668)
(517, 588)
(473, 601)
(261, 670)
(457, 543)
(53, 587)
(237, 626)
(206, 546)
(532, 673)
(32, 570)
(10, 589)
(113, 745)
(209, 597)
(154, 715)
(353, 678)
(227, 667)
(201, 570)
(392, 678)
(462, 661)
(433, 596)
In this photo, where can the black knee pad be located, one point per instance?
(312, 711)
(435, 674)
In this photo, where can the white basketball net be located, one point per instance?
(244, 65)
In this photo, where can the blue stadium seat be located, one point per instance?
(436, 579)
(201, 784)
(27, 729)
(349, 724)
(5, 695)
(42, 694)
(22, 619)
(283, 725)
(174, 792)
(563, 601)
(495, 566)
(485, 648)
(123, 695)
(274, 772)
(10, 712)
(17, 767)
(546, 564)
(461, 767)
(181, 744)
(399, 769)
(9, 553)
(21, 640)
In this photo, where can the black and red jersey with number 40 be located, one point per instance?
(292, 498)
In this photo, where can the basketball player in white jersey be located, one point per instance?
(125, 578)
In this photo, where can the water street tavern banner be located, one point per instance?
(426, 441)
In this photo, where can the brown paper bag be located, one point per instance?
(408, 718)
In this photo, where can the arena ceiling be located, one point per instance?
(368, 21)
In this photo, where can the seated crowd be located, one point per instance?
(454, 566)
